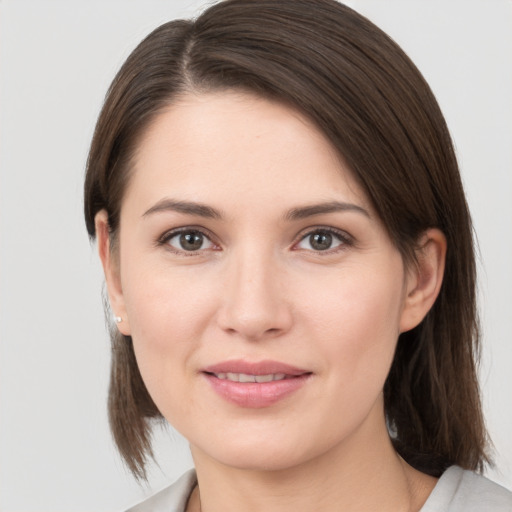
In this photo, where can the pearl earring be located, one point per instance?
(118, 319)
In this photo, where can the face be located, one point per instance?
(262, 292)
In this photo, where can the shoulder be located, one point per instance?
(170, 499)
(459, 490)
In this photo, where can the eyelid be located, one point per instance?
(343, 236)
(171, 233)
(346, 239)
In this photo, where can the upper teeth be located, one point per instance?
(244, 377)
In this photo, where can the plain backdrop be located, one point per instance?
(57, 58)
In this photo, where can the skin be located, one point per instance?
(258, 289)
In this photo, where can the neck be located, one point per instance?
(363, 473)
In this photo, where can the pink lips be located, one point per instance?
(286, 379)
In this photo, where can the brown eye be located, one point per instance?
(190, 241)
(321, 240)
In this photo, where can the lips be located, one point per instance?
(245, 377)
(255, 385)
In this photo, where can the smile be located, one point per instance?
(245, 377)
(255, 385)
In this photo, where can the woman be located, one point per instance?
(289, 260)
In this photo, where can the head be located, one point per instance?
(357, 88)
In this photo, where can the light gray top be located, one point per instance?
(457, 490)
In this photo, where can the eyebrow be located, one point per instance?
(304, 212)
(187, 207)
(301, 212)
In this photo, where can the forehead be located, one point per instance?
(231, 145)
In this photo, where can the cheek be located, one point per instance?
(355, 329)
(167, 314)
(164, 305)
(357, 324)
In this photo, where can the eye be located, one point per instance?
(322, 240)
(190, 240)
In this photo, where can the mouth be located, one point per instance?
(255, 385)
(245, 377)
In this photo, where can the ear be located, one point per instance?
(110, 263)
(424, 279)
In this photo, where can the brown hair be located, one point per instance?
(371, 102)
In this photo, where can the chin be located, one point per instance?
(252, 453)
(259, 459)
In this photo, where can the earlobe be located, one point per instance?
(110, 265)
(424, 279)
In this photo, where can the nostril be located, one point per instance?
(253, 312)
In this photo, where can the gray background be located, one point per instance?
(57, 58)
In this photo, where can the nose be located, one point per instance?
(254, 302)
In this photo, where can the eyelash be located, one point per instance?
(169, 235)
(344, 239)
